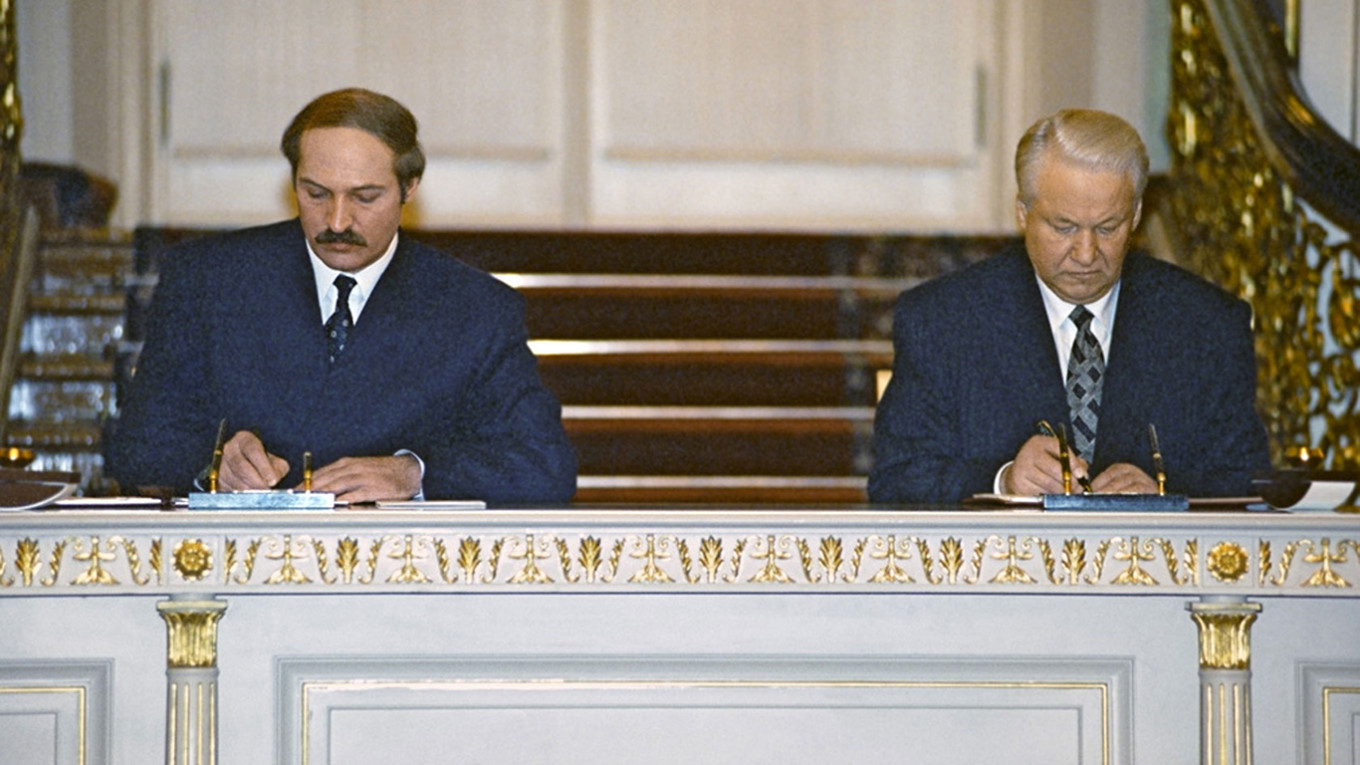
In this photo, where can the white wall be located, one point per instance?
(45, 77)
(1329, 61)
(1128, 73)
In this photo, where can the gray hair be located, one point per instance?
(1095, 140)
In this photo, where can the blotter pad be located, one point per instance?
(1116, 503)
(262, 500)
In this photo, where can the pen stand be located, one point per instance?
(261, 500)
(1116, 503)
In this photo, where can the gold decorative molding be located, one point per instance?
(191, 630)
(193, 559)
(694, 559)
(1228, 562)
(1224, 634)
(1242, 226)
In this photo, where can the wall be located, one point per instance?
(70, 56)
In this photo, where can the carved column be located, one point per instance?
(1224, 678)
(191, 676)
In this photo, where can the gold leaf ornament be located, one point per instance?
(1228, 562)
(192, 559)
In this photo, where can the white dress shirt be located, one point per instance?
(1065, 331)
(365, 280)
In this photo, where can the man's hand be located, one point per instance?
(1038, 470)
(246, 465)
(370, 479)
(1123, 477)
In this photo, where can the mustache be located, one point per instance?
(341, 237)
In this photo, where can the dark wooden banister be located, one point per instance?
(1321, 165)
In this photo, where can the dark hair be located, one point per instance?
(374, 113)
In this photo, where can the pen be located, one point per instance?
(215, 468)
(306, 471)
(1065, 458)
(1047, 430)
(1157, 459)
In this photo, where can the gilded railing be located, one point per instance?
(1266, 201)
(11, 126)
(12, 270)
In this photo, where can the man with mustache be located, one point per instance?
(404, 372)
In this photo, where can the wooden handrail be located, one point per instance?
(1321, 165)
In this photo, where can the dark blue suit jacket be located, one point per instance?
(975, 367)
(437, 364)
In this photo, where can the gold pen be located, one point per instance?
(215, 468)
(1047, 430)
(1065, 458)
(307, 471)
(1157, 459)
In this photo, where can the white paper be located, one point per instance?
(1323, 495)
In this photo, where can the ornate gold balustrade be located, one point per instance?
(1267, 203)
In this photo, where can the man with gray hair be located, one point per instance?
(1075, 330)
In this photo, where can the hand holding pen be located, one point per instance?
(247, 465)
(1065, 458)
(1038, 467)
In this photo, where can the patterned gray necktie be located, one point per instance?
(1085, 373)
(340, 323)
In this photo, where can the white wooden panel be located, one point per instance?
(704, 709)
(54, 713)
(877, 81)
(483, 79)
(793, 114)
(1330, 694)
(1329, 61)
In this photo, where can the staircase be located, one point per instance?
(64, 385)
(694, 367)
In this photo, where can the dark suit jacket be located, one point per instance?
(975, 367)
(437, 363)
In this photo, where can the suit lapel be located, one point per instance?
(1028, 345)
(388, 307)
(1131, 354)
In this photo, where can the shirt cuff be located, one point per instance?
(998, 483)
(420, 491)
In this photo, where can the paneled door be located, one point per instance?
(845, 114)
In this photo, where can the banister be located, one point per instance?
(1321, 165)
(1264, 199)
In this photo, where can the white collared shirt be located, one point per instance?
(365, 280)
(1065, 330)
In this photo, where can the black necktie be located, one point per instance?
(1085, 372)
(341, 321)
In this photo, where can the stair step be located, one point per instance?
(712, 372)
(64, 366)
(612, 440)
(752, 316)
(739, 286)
(56, 436)
(721, 489)
(69, 303)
